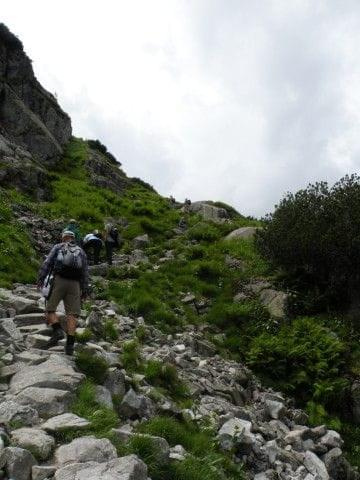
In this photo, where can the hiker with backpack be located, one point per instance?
(112, 241)
(92, 245)
(67, 263)
(72, 226)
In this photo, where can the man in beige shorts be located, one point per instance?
(68, 263)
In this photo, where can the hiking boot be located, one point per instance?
(69, 347)
(56, 336)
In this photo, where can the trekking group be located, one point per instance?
(64, 276)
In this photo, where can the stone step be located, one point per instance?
(42, 329)
(27, 319)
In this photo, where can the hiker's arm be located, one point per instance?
(47, 265)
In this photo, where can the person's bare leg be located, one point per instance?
(57, 334)
(52, 318)
(71, 322)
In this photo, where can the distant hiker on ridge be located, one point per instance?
(72, 226)
(112, 241)
(92, 245)
(68, 263)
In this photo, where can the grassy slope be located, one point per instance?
(296, 362)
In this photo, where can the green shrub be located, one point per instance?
(92, 366)
(84, 337)
(314, 235)
(303, 358)
(245, 314)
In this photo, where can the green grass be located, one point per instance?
(130, 357)
(204, 461)
(102, 419)
(95, 368)
(18, 258)
(165, 376)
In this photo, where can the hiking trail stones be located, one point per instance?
(259, 426)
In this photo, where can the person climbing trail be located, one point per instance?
(112, 241)
(92, 245)
(68, 263)
(73, 227)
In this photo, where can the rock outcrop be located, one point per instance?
(30, 116)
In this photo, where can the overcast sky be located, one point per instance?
(232, 100)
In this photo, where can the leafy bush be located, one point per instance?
(94, 367)
(303, 358)
(314, 235)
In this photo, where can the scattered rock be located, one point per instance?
(47, 401)
(37, 441)
(66, 421)
(18, 463)
(124, 468)
(85, 449)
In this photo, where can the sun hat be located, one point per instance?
(67, 233)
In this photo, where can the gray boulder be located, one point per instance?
(42, 472)
(124, 468)
(208, 211)
(37, 441)
(14, 412)
(18, 463)
(142, 241)
(8, 327)
(66, 421)
(85, 449)
(115, 382)
(315, 466)
(57, 372)
(47, 401)
(103, 396)
(135, 406)
(19, 304)
(243, 232)
(275, 301)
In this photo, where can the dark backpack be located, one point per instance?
(69, 262)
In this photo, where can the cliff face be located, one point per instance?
(29, 115)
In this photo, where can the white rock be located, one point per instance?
(332, 439)
(47, 401)
(56, 372)
(65, 421)
(37, 441)
(315, 466)
(275, 409)
(42, 472)
(11, 411)
(85, 449)
(124, 468)
(19, 463)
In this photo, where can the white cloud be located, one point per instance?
(232, 100)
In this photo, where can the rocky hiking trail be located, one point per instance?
(256, 426)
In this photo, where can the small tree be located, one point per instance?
(314, 236)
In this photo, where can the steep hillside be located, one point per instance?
(160, 385)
